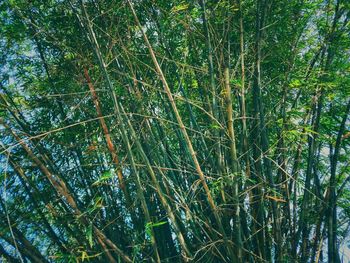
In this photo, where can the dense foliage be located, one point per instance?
(171, 131)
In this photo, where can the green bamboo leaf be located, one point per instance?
(159, 223)
(105, 176)
(89, 235)
(179, 8)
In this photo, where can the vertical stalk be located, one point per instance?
(262, 148)
(333, 251)
(235, 167)
(234, 164)
(212, 84)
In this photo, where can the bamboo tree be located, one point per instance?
(226, 123)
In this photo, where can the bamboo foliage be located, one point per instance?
(174, 131)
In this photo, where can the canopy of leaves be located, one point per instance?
(171, 131)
